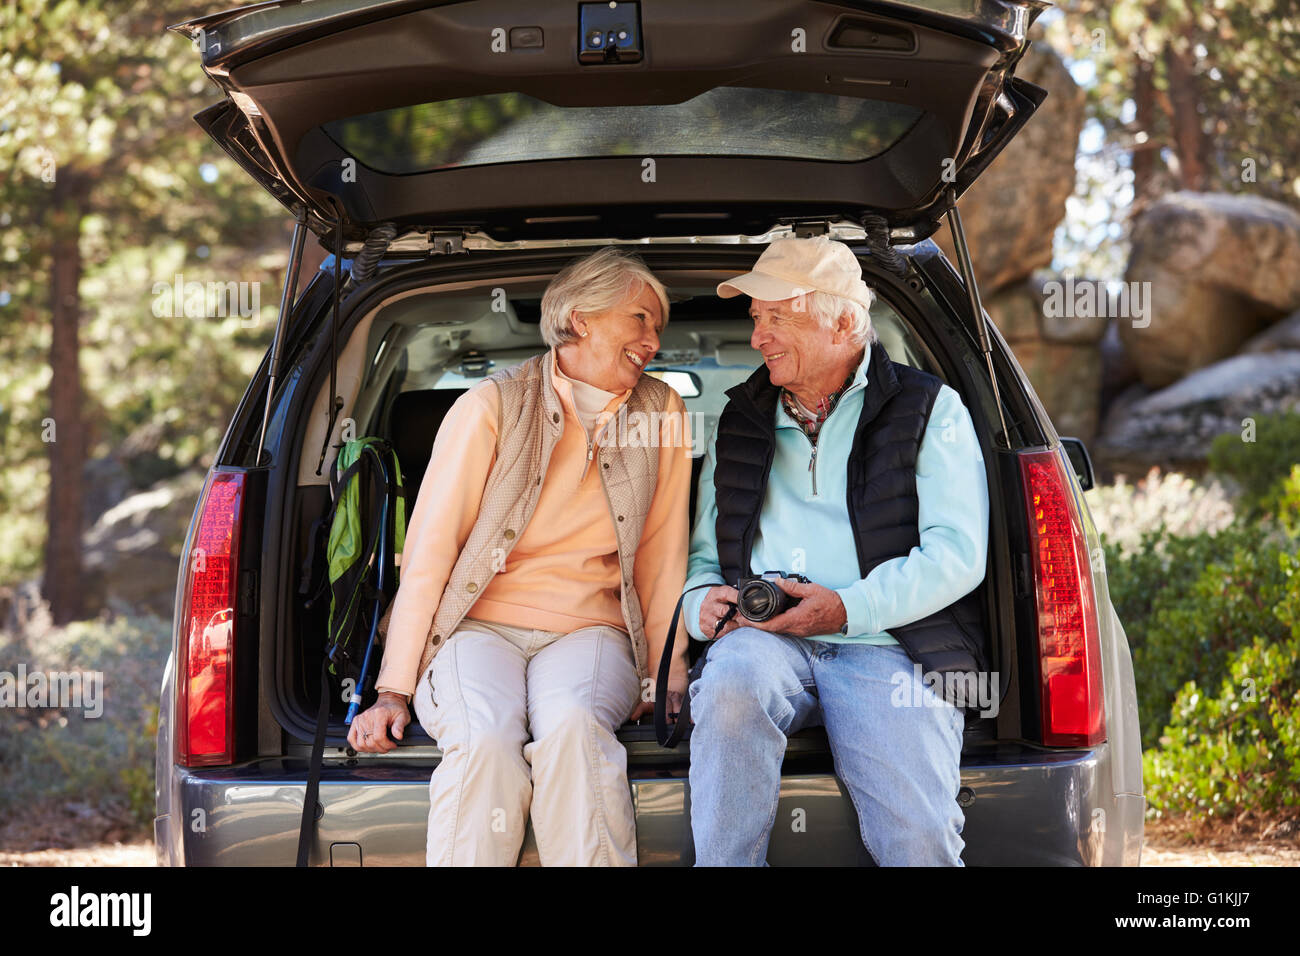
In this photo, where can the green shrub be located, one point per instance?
(1288, 502)
(1188, 601)
(1261, 466)
(1163, 570)
(1191, 635)
(105, 762)
(1239, 747)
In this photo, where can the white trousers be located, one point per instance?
(526, 720)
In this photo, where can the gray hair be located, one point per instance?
(594, 283)
(826, 308)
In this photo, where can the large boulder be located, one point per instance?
(1117, 369)
(1011, 212)
(1173, 427)
(1221, 268)
(105, 481)
(132, 552)
(1058, 351)
(1283, 335)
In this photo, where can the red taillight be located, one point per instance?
(205, 706)
(1068, 645)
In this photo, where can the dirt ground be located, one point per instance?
(73, 834)
(101, 854)
(1274, 842)
(1250, 840)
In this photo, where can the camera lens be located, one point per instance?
(759, 600)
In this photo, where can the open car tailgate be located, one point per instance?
(728, 118)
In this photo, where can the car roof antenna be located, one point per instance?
(336, 400)
(282, 320)
(976, 307)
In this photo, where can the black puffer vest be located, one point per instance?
(882, 500)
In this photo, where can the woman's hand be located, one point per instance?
(718, 603)
(678, 679)
(369, 731)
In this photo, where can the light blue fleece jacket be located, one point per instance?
(804, 525)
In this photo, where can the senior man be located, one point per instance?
(866, 477)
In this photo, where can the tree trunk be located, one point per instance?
(63, 585)
(1190, 141)
(1146, 153)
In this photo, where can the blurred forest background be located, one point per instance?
(1166, 122)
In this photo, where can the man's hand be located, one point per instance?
(369, 730)
(718, 602)
(820, 611)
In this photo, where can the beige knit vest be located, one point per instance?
(530, 424)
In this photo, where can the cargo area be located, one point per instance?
(403, 365)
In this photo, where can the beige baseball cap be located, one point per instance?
(791, 267)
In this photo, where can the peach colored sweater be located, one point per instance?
(564, 572)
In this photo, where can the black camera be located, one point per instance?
(762, 598)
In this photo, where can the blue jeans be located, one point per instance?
(900, 762)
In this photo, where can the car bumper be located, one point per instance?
(1029, 807)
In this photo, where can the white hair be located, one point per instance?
(826, 308)
(594, 283)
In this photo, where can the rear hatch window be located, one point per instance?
(515, 127)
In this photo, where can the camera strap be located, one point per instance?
(672, 737)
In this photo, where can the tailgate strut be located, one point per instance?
(336, 400)
(282, 320)
(976, 307)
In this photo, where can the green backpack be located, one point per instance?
(367, 529)
(349, 555)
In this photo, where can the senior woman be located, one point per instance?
(544, 557)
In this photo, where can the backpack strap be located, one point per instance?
(308, 823)
(317, 544)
